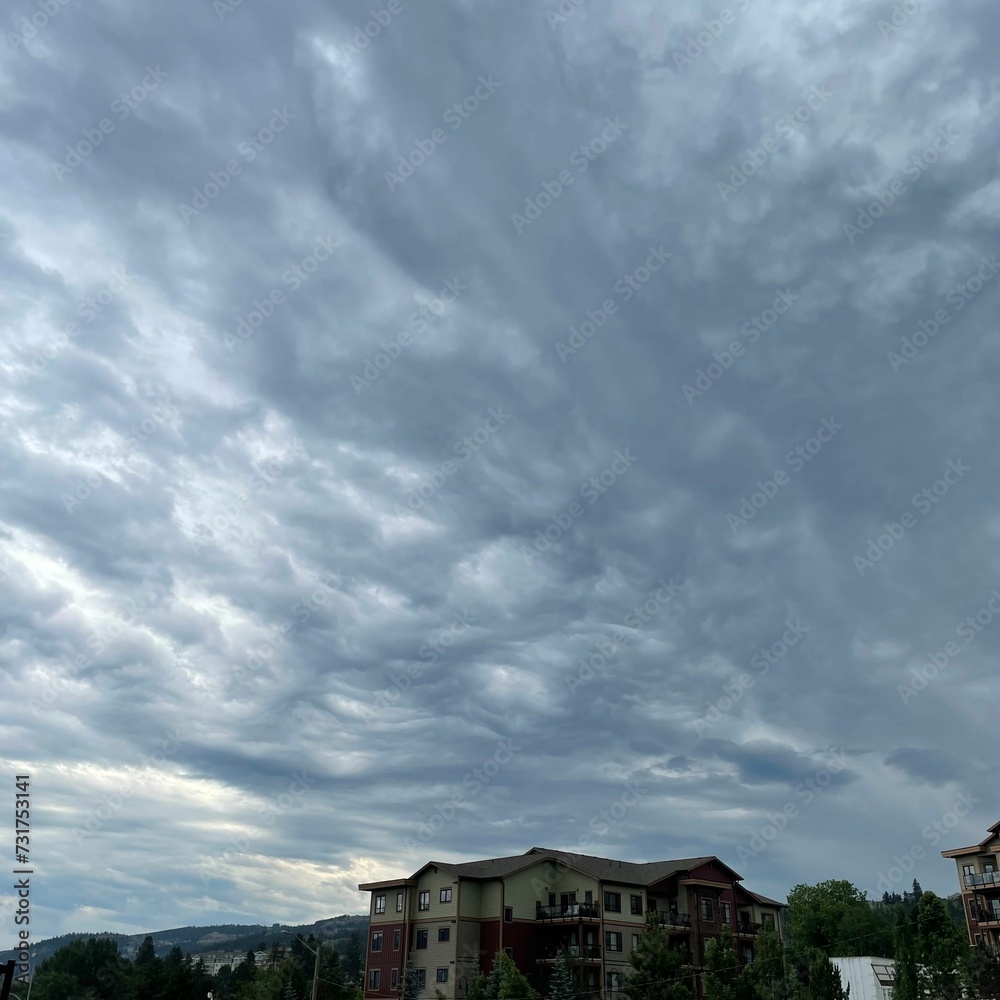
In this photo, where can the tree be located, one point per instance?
(836, 918)
(906, 986)
(504, 982)
(411, 984)
(722, 979)
(352, 961)
(661, 971)
(983, 972)
(766, 974)
(824, 979)
(561, 986)
(941, 950)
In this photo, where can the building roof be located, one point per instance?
(644, 873)
(975, 848)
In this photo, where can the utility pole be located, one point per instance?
(319, 948)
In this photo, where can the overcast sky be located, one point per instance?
(359, 388)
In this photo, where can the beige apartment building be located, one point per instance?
(453, 918)
(979, 883)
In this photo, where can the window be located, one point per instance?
(707, 912)
(373, 977)
(442, 975)
(612, 941)
(508, 914)
(421, 939)
(380, 904)
(588, 896)
(613, 902)
(444, 934)
(446, 895)
(424, 901)
(651, 904)
(614, 980)
(767, 919)
(635, 941)
(636, 902)
(399, 902)
(395, 940)
(394, 979)
(421, 978)
(590, 978)
(377, 941)
(509, 952)
(725, 912)
(968, 869)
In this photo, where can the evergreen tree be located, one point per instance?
(766, 974)
(723, 977)
(661, 972)
(941, 950)
(561, 986)
(411, 985)
(824, 980)
(353, 968)
(906, 986)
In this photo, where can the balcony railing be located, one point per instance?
(585, 951)
(987, 878)
(988, 917)
(670, 919)
(743, 927)
(579, 910)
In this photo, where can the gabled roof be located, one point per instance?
(958, 851)
(763, 900)
(631, 872)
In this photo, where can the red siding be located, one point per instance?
(521, 938)
(385, 960)
(489, 942)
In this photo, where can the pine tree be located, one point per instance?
(562, 986)
(906, 986)
(941, 950)
(661, 972)
(722, 979)
(824, 980)
(766, 974)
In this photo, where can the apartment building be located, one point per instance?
(979, 883)
(453, 918)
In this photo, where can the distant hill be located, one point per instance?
(230, 938)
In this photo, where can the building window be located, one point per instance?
(373, 977)
(424, 901)
(399, 902)
(377, 941)
(509, 952)
(446, 895)
(590, 978)
(395, 940)
(636, 902)
(613, 902)
(612, 941)
(767, 919)
(614, 980)
(444, 934)
(707, 913)
(635, 941)
(394, 979)
(651, 904)
(725, 912)
(421, 978)
(588, 896)
(442, 975)
(421, 939)
(968, 869)
(380, 904)
(508, 914)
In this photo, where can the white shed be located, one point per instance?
(869, 977)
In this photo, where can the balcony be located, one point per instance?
(987, 878)
(587, 952)
(568, 911)
(671, 919)
(988, 917)
(745, 927)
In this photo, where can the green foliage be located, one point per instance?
(824, 980)
(983, 972)
(505, 982)
(766, 974)
(661, 971)
(353, 967)
(836, 918)
(941, 950)
(561, 986)
(723, 978)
